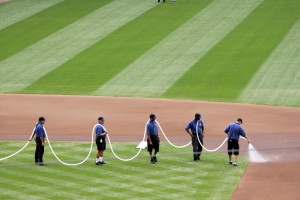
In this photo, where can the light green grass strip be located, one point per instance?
(22, 69)
(17, 10)
(278, 79)
(159, 68)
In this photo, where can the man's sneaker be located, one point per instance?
(152, 161)
(41, 164)
(234, 164)
(155, 159)
(102, 163)
(230, 162)
(98, 163)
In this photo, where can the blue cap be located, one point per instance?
(152, 116)
(101, 118)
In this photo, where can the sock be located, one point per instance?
(97, 160)
(101, 159)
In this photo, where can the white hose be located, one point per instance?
(179, 147)
(211, 150)
(128, 159)
(1, 159)
(122, 159)
(71, 164)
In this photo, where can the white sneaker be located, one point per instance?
(234, 164)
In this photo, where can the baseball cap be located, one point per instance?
(101, 118)
(152, 116)
(197, 116)
(42, 119)
(239, 120)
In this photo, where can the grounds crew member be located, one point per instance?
(40, 141)
(101, 133)
(152, 138)
(234, 131)
(191, 130)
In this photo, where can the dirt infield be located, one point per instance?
(275, 131)
(3, 1)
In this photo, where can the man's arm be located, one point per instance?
(202, 129)
(148, 130)
(149, 139)
(227, 130)
(32, 136)
(247, 139)
(187, 129)
(189, 132)
(43, 140)
(103, 134)
(242, 132)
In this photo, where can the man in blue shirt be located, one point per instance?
(234, 131)
(101, 133)
(40, 141)
(152, 138)
(191, 130)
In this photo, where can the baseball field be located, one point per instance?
(73, 61)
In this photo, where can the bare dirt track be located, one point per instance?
(275, 131)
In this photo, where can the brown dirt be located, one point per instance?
(275, 131)
(3, 1)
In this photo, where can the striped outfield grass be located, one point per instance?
(159, 68)
(208, 50)
(174, 177)
(17, 10)
(21, 35)
(109, 56)
(225, 70)
(278, 79)
(48, 54)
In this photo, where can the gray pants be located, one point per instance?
(197, 148)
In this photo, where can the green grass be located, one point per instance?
(96, 65)
(222, 72)
(27, 32)
(225, 71)
(176, 176)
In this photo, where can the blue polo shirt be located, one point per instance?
(99, 130)
(152, 128)
(193, 124)
(39, 131)
(234, 131)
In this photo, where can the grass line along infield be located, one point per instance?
(173, 177)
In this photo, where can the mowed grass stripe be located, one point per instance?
(86, 72)
(51, 52)
(159, 68)
(278, 79)
(170, 178)
(224, 72)
(18, 36)
(17, 10)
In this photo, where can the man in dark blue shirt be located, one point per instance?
(234, 131)
(192, 129)
(40, 141)
(101, 133)
(152, 138)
